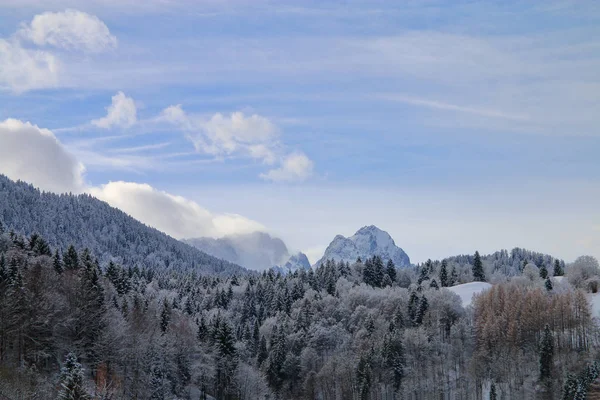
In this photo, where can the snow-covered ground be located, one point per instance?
(467, 290)
(594, 299)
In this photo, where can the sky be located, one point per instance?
(454, 125)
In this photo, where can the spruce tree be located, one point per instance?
(394, 357)
(453, 277)
(71, 380)
(165, 317)
(444, 273)
(378, 271)
(390, 270)
(363, 377)
(71, 259)
(548, 284)
(543, 272)
(57, 263)
(546, 354)
(478, 274)
(558, 270)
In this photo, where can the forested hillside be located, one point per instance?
(71, 329)
(87, 222)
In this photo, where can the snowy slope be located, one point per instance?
(594, 299)
(296, 262)
(467, 290)
(365, 243)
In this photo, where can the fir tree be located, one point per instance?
(262, 351)
(546, 354)
(548, 284)
(71, 380)
(434, 284)
(478, 274)
(444, 273)
(423, 306)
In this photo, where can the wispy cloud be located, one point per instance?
(438, 105)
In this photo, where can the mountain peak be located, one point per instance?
(365, 243)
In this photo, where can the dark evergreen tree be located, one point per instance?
(394, 358)
(493, 394)
(423, 306)
(478, 273)
(263, 353)
(363, 378)
(71, 380)
(165, 317)
(71, 259)
(276, 360)
(548, 284)
(390, 270)
(453, 277)
(543, 272)
(57, 263)
(434, 284)
(546, 354)
(444, 273)
(558, 269)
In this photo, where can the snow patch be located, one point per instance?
(466, 291)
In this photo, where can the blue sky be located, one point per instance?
(455, 125)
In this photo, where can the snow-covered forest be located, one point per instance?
(86, 222)
(72, 328)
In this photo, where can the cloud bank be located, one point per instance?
(35, 155)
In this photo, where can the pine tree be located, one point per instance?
(543, 272)
(478, 274)
(3, 270)
(434, 284)
(276, 360)
(558, 270)
(548, 284)
(546, 354)
(390, 270)
(444, 273)
(71, 380)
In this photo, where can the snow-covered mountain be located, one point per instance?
(296, 262)
(257, 250)
(366, 242)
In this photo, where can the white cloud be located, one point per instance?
(174, 215)
(70, 30)
(227, 135)
(121, 113)
(295, 167)
(24, 69)
(34, 155)
(236, 134)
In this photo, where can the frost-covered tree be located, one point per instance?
(478, 273)
(72, 380)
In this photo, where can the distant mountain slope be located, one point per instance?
(257, 250)
(365, 243)
(85, 221)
